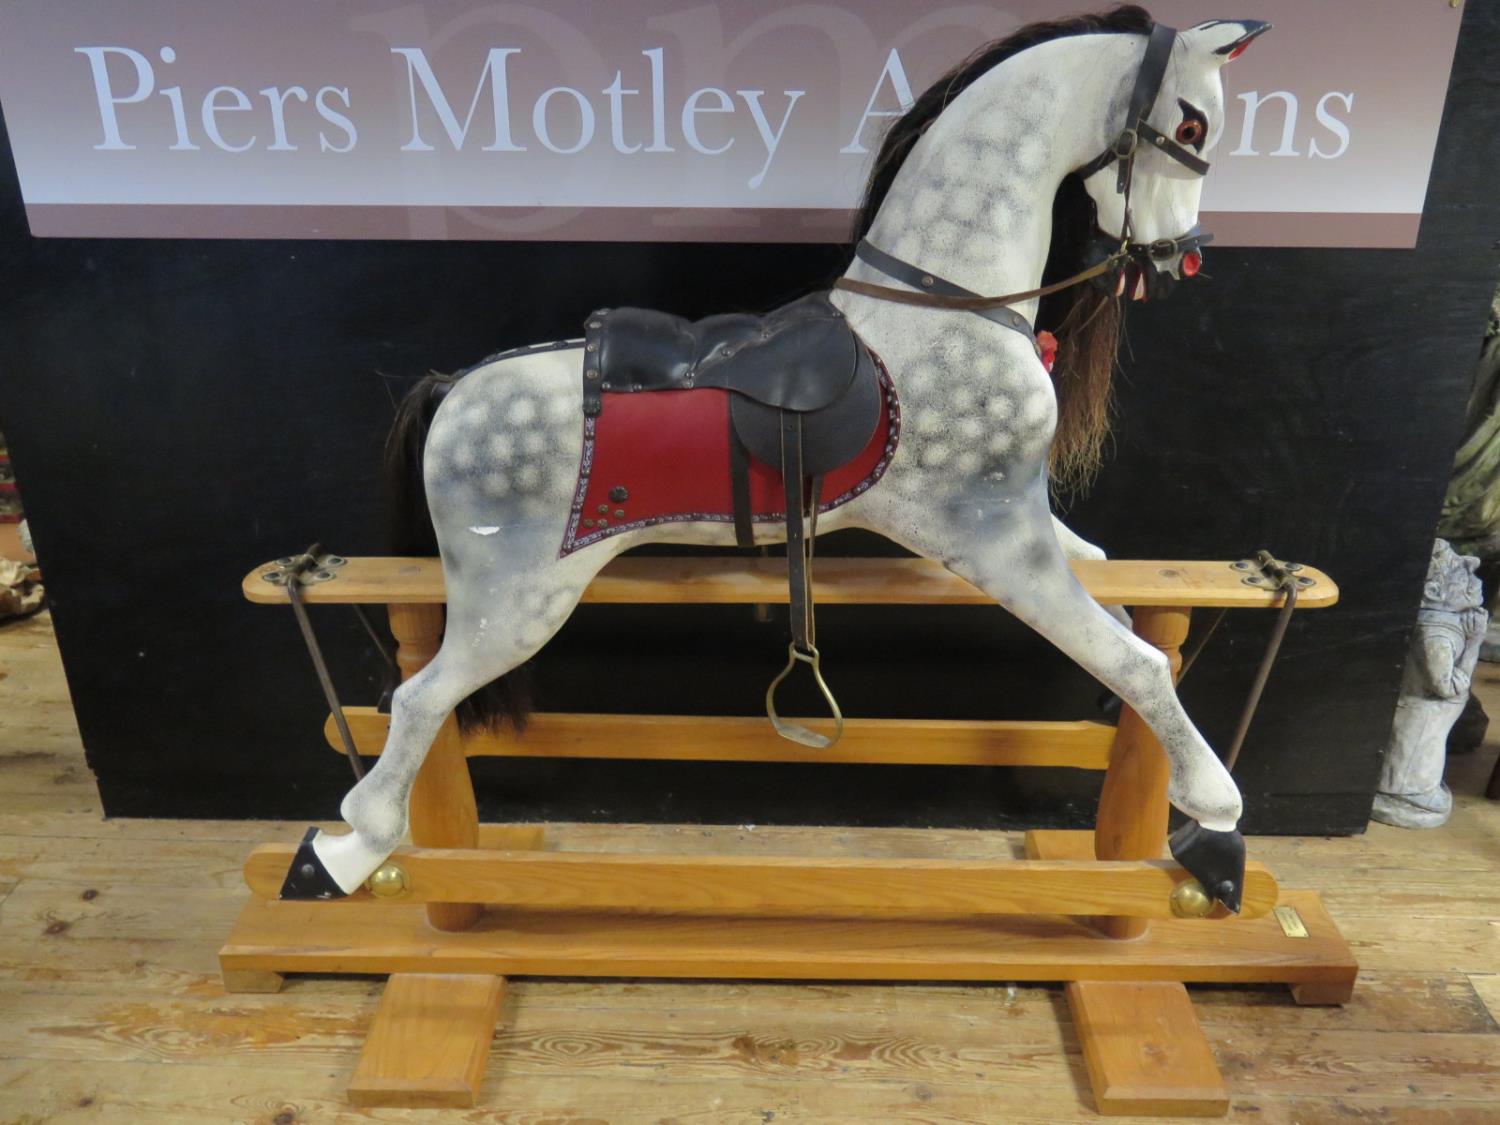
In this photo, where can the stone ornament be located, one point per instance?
(1450, 628)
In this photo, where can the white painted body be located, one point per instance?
(967, 485)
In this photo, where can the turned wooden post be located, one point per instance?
(443, 812)
(1133, 807)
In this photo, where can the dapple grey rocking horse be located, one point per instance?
(901, 402)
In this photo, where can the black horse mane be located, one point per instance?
(1086, 320)
(909, 127)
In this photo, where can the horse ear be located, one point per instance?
(1224, 40)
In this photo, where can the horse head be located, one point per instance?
(1147, 183)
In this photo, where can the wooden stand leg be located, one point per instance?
(443, 812)
(251, 980)
(1145, 1050)
(1133, 807)
(1335, 988)
(429, 1042)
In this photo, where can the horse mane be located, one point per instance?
(1086, 320)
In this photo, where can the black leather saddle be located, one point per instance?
(805, 398)
(802, 359)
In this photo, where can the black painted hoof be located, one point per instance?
(1215, 859)
(308, 880)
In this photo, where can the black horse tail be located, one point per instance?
(506, 700)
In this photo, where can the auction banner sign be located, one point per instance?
(666, 120)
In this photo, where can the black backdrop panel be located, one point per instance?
(179, 411)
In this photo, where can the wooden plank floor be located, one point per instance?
(111, 1008)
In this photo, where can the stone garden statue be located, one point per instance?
(1444, 649)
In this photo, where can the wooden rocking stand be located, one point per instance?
(470, 904)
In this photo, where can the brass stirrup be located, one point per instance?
(796, 732)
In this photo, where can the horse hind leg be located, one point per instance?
(476, 648)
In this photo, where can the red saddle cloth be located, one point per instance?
(663, 457)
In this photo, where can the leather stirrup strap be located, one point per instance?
(801, 522)
(798, 580)
(739, 485)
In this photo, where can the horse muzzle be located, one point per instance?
(1146, 271)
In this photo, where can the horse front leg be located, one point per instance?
(1007, 548)
(1075, 546)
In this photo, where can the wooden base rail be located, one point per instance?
(272, 938)
(470, 903)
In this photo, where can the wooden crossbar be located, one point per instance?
(779, 886)
(720, 738)
(661, 580)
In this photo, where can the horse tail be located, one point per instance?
(506, 699)
(409, 529)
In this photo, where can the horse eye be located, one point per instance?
(1194, 128)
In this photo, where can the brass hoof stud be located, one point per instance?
(1189, 900)
(389, 881)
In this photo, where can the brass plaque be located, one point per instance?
(1291, 922)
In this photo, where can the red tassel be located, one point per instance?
(1047, 345)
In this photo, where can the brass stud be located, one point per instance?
(603, 509)
(389, 881)
(594, 324)
(588, 523)
(591, 348)
(927, 280)
(1190, 900)
(602, 523)
(591, 373)
(619, 513)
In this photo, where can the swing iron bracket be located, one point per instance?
(1270, 573)
(312, 565)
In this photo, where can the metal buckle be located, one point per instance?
(796, 732)
(1162, 249)
(1126, 144)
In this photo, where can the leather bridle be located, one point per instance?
(931, 291)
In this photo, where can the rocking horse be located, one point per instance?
(968, 211)
(1055, 173)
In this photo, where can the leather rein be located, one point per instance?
(930, 291)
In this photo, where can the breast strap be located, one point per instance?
(925, 282)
